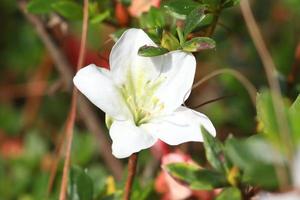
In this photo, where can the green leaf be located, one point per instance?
(230, 193)
(152, 19)
(256, 158)
(80, 185)
(206, 21)
(294, 116)
(230, 3)
(213, 151)
(180, 8)
(100, 17)
(169, 41)
(198, 44)
(266, 116)
(212, 3)
(68, 9)
(196, 178)
(116, 35)
(150, 51)
(40, 6)
(193, 20)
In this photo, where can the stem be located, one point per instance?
(72, 113)
(132, 163)
(270, 70)
(240, 77)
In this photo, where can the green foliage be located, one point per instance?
(268, 123)
(257, 159)
(294, 116)
(180, 8)
(193, 20)
(153, 19)
(150, 51)
(231, 193)
(68, 9)
(230, 3)
(198, 44)
(169, 41)
(80, 185)
(214, 151)
(98, 18)
(196, 178)
(10, 120)
(40, 6)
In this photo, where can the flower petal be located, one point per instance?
(96, 84)
(124, 57)
(181, 126)
(179, 71)
(128, 138)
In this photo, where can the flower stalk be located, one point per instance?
(132, 164)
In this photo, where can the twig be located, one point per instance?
(87, 112)
(72, 114)
(211, 101)
(132, 163)
(240, 77)
(270, 71)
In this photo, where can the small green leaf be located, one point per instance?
(193, 20)
(152, 19)
(212, 3)
(213, 151)
(267, 118)
(169, 41)
(206, 21)
(196, 178)
(68, 9)
(100, 17)
(230, 193)
(230, 3)
(198, 44)
(256, 158)
(40, 6)
(80, 185)
(180, 8)
(150, 51)
(294, 116)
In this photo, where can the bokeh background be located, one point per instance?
(34, 99)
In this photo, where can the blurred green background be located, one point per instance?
(34, 103)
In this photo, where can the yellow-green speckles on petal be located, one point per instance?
(139, 95)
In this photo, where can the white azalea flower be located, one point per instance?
(143, 96)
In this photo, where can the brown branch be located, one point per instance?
(72, 114)
(132, 164)
(85, 109)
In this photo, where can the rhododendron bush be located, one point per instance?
(150, 99)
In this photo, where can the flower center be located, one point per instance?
(138, 93)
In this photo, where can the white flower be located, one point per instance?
(143, 96)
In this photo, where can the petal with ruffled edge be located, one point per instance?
(96, 84)
(128, 138)
(181, 126)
